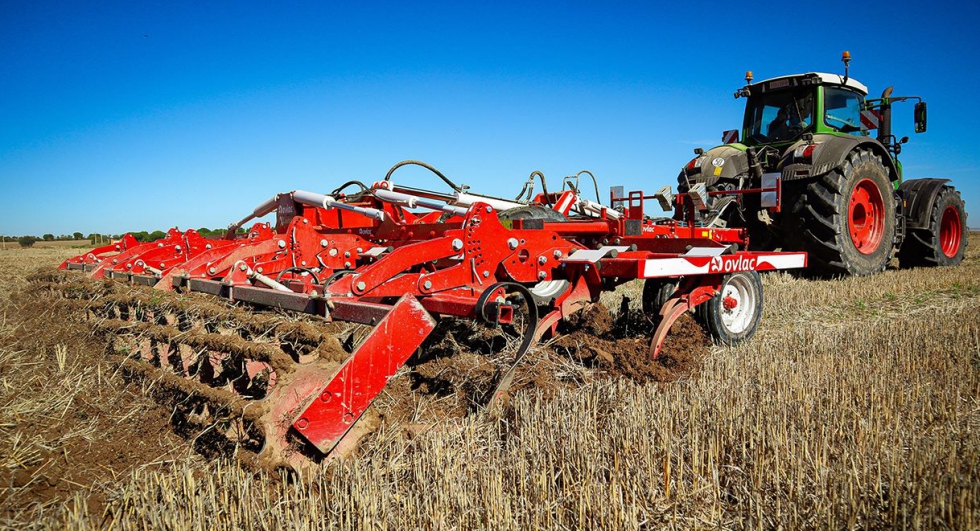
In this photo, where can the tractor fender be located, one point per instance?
(831, 152)
(919, 196)
(720, 162)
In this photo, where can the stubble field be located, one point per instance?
(857, 405)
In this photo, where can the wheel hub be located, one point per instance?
(866, 217)
(737, 301)
(950, 231)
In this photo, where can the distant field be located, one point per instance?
(41, 244)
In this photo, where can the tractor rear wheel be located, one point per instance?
(847, 217)
(944, 242)
(733, 315)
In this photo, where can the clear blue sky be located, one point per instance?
(128, 116)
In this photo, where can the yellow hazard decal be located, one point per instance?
(705, 234)
(717, 171)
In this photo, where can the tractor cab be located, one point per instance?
(781, 110)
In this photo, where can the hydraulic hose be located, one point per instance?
(426, 166)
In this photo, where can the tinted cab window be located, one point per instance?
(779, 116)
(842, 110)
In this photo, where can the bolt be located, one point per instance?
(512, 244)
(333, 252)
(208, 246)
(302, 262)
(302, 424)
(115, 262)
(326, 396)
(323, 243)
(360, 286)
(486, 274)
(129, 266)
(242, 267)
(260, 270)
(347, 254)
(305, 221)
(557, 254)
(359, 250)
(162, 265)
(489, 210)
(347, 265)
(160, 245)
(212, 270)
(177, 248)
(542, 275)
(427, 284)
(457, 244)
(281, 244)
(542, 260)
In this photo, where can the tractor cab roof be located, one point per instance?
(810, 78)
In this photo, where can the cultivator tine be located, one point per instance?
(671, 310)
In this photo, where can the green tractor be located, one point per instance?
(807, 175)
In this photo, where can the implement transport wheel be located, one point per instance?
(944, 242)
(656, 291)
(733, 315)
(532, 212)
(848, 217)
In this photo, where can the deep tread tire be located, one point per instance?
(826, 219)
(729, 325)
(656, 291)
(925, 247)
(532, 212)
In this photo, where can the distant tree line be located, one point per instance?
(94, 239)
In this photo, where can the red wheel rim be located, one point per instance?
(866, 217)
(950, 231)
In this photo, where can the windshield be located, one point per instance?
(842, 110)
(779, 116)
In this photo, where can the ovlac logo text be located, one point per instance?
(731, 264)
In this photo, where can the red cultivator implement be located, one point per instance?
(399, 260)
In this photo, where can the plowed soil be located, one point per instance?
(84, 424)
(104, 423)
(452, 380)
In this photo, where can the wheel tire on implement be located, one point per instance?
(656, 291)
(734, 314)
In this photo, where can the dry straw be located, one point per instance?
(856, 406)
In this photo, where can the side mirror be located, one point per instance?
(920, 117)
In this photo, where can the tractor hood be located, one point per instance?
(721, 162)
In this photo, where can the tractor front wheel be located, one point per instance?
(944, 242)
(733, 315)
(847, 217)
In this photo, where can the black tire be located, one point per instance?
(656, 291)
(847, 218)
(730, 324)
(944, 242)
(532, 212)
